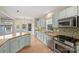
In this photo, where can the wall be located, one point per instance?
(72, 32)
(19, 22)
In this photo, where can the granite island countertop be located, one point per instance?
(10, 36)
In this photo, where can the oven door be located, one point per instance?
(62, 48)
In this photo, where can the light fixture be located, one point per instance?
(17, 11)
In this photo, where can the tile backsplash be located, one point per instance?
(72, 32)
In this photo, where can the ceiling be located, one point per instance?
(29, 11)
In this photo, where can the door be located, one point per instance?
(29, 27)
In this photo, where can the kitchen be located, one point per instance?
(56, 27)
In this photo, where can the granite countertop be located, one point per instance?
(52, 33)
(4, 40)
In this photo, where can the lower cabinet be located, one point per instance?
(14, 45)
(5, 47)
(28, 40)
(46, 39)
(21, 42)
(50, 43)
(42, 37)
(1, 49)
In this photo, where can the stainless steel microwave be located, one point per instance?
(69, 22)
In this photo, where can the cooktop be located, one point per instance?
(67, 38)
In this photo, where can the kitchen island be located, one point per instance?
(12, 44)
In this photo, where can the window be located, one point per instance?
(8, 28)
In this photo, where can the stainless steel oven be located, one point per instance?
(68, 22)
(62, 48)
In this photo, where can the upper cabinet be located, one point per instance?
(40, 23)
(55, 20)
(71, 11)
(62, 14)
(43, 22)
(6, 22)
(78, 10)
(68, 12)
(68, 17)
(49, 24)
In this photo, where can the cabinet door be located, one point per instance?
(25, 41)
(45, 39)
(43, 23)
(42, 36)
(17, 44)
(1, 49)
(62, 14)
(28, 40)
(78, 10)
(6, 48)
(55, 20)
(71, 11)
(14, 45)
(21, 42)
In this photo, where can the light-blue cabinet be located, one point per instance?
(55, 19)
(71, 11)
(5, 47)
(21, 42)
(1, 49)
(62, 14)
(14, 45)
(78, 10)
(27, 40)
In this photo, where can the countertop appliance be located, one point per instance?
(65, 44)
(69, 22)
